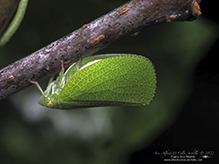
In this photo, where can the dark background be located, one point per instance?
(183, 116)
(196, 128)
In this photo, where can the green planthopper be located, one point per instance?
(102, 80)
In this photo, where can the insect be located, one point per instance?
(102, 80)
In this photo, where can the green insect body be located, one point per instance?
(103, 80)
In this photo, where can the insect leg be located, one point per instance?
(38, 86)
(61, 74)
(51, 79)
(77, 65)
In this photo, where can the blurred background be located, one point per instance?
(184, 115)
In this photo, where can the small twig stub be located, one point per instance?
(97, 40)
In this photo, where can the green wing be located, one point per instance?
(113, 81)
(72, 69)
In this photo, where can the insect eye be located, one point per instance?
(50, 105)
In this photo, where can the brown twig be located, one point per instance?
(122, 21)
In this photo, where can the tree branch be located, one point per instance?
(122, 21)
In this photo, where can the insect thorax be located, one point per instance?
(51, 94)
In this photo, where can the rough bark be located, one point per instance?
(122, 21)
